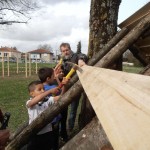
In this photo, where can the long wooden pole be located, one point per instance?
(47, 116)
(8, 65)
(36, 66)
(91, 137)
(29, 64)
(26, 66)
(3, 70)
(17, 65)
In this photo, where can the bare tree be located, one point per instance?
(16, 11)
(46, 47)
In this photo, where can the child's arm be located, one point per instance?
(56, 98)
(64, 82)
(57, 79)
(40, 97)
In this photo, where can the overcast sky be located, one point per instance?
(59, 21)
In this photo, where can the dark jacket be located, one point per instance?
(74, 57)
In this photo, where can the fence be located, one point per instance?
(25, 68)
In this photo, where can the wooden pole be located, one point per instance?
(17, 65)
(3, 71)
(92, 137)
(26, 66)
(48, 115)
(8, 65)
(136, 53)
(29, 64)
(36, 66)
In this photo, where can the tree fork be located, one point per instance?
(48, 115)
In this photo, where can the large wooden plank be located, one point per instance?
(121, 102)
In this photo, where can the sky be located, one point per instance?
(59, 21)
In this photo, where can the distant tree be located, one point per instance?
(16, 11)
(79, 47)
(128, 56)
(15, 48)
(46, 47)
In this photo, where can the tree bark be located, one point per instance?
(48, 115)
(92, 137)
(18, 131)
(103, 23)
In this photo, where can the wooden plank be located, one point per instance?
(135, 18)
(121, 102)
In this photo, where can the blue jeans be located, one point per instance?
(73, 112)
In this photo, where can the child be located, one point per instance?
(64, 112)
(44, 74)
(44, 140)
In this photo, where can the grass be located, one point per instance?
(132, 69)
(14, 94)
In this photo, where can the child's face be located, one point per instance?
(38, 90)
(50, 79)
(61, 74)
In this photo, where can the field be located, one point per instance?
(14, 94)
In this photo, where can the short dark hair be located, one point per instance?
(65, 45)
(32, 85)
(45, 72)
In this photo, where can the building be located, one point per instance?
(41, 55)
(10, 53)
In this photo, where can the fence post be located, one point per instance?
(29, 64)
(26, 71)
(8, 64)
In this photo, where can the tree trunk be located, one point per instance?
(103, 24)
(92, 137)
(48, 115)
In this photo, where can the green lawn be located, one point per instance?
(132, 69)
(14, 94)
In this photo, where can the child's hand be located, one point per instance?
(55, 90)
(65, 80)
(56, 98)
(81, 63)
(57, 70)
